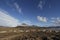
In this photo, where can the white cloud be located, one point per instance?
(7, 20)
(43, 19)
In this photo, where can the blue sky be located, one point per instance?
(31, 12)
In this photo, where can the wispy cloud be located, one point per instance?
(49, 5)
(56, 21)
(42, 19)
(7, 20)
(17, 7)
(14, 6)
(41, 4)
(53, 18)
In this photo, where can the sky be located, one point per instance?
(32, 12)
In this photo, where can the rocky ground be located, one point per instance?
(28, 33)
(31, 36)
